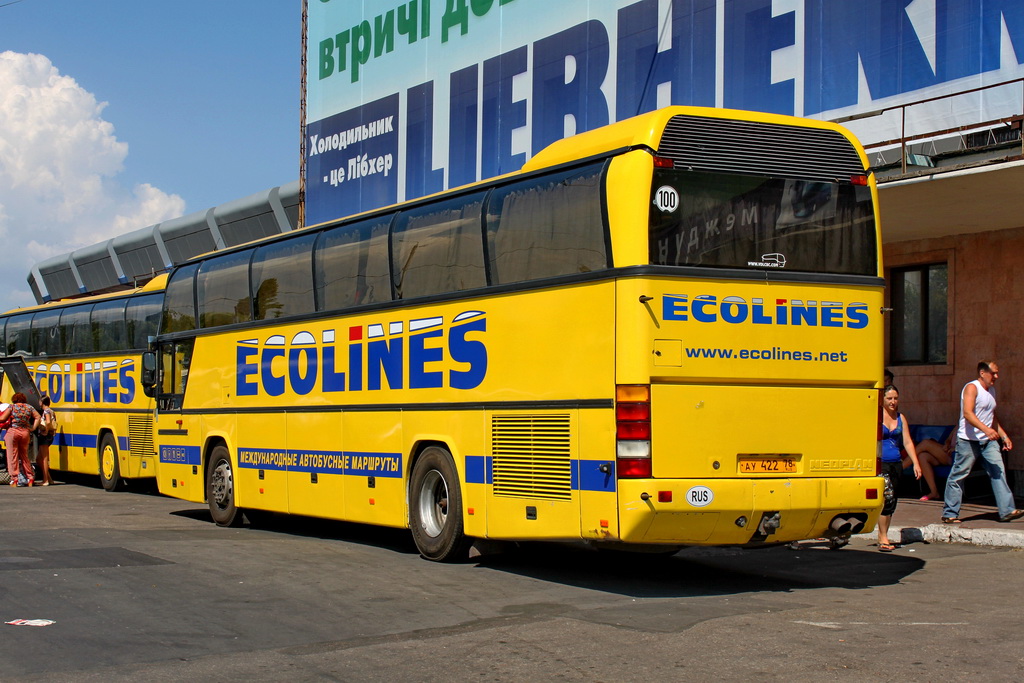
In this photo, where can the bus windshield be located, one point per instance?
(755, 222)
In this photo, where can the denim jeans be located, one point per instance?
(992, 460)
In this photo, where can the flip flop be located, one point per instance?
(886, 547)
(951, 520)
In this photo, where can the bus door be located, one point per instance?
(180, 466)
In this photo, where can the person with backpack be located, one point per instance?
(44, 438)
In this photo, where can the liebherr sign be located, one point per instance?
(405, 99)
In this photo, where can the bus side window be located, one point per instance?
(282, 278)
(547, 226)
(351, 265)
(438, 248)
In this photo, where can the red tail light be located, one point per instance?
(664, 162)
(633, 431)
(859, 179)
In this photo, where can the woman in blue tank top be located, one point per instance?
(895, 434)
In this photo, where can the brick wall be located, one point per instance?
(986, 321)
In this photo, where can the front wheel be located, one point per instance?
(435, 507)
(220, 489)
(110, 469)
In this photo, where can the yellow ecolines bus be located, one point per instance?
(663, 332)
(85, 354)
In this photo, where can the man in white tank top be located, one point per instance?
(980, 435)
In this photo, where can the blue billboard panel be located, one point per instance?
(434, 94)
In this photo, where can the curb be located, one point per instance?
(944, 533)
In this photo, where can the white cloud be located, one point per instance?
(59, 166)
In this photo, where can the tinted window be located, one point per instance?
(78, 332)
(282, 278)
(352, 265)
(737, 221)
(222, 290)
(439, 248)
(179, 301)
(19, 335)
(108, 325)
(143, 319)
(547, 226)
(46, 337)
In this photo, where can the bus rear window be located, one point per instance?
(752, 222)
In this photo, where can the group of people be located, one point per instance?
(24, 422)
(978, 435)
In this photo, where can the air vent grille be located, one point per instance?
(763, 149)
(140, 435)
(532, 456)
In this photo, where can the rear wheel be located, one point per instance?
(110, 469)
(220, 489)
(435, 507)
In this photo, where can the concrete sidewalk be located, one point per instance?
(916, 520)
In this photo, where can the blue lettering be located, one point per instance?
(462, 127)
(421, 178)
(501, 115)
(698, 306)
(469, 351)
(272, 384)
(688, 66)
(419, 356)
(734, 309)
(581, 98)
(244, 370)
(831, 316)
(92, 387)
(381, 355)
(757, 315)
(751, 35)
(857, 315)
(332, 379)
(842, 36)
(56, 385)
(673, 307)
(127, 381)
(804, 314)
(109, 383)
(302, 383)
(355, 367)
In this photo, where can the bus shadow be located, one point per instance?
(386, 538)
(691, 572)
(705, 571)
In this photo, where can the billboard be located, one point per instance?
(404, 99)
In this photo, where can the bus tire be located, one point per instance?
(110, 467)
(435, 507)
(220, 489)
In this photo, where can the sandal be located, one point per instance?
(886, 547)
(951, 520)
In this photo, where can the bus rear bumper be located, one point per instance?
(745, 511)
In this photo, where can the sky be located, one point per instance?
(118, 114)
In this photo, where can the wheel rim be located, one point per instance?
(107, 462)
(221, 486)
(433, 503)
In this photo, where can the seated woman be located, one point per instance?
(931, 454)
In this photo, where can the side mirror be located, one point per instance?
(149, 373)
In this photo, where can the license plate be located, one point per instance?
(767, 465)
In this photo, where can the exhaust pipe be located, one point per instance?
(841, 525)
(847, 525)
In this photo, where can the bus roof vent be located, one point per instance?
(765, 149)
